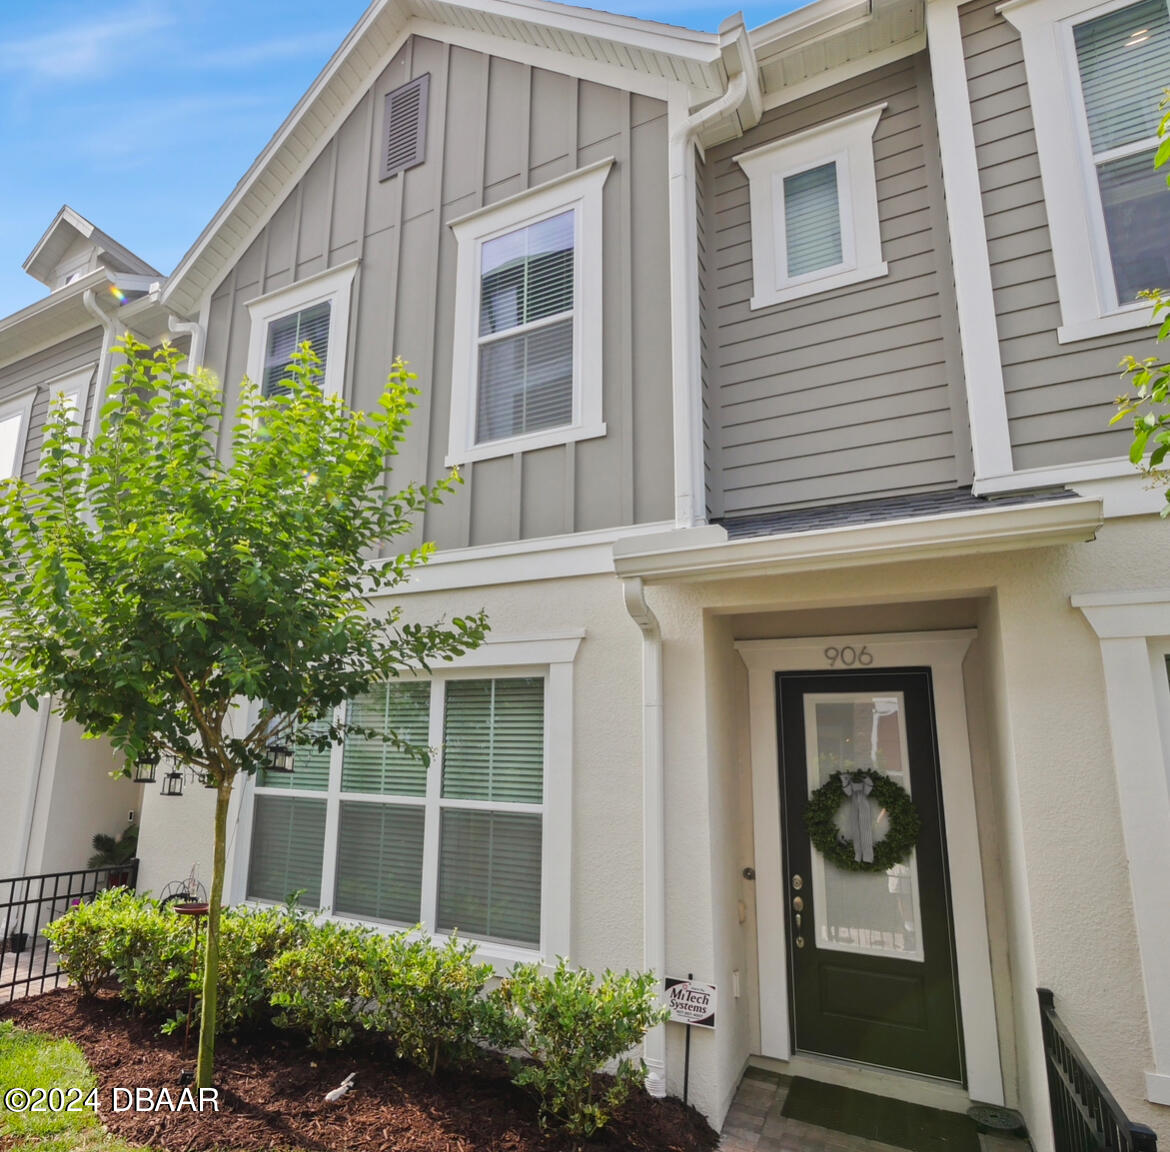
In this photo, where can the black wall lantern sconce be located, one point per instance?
(280, 758)
(145, 768)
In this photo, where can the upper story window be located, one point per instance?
(527, 361)
(1095, 78)
(14, 424)
(814, 214)
(315, 309)
(1123, 59)
(475, 842)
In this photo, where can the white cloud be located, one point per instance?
(82, 50)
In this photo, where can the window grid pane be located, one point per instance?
(9, 438)
(288, 846)
(310, 766)
(1136, 208)
(1124, 62)
(812, 220)
(489, 875)
(286, 335)
(375, 766)
(493, 741)
(525, 381)
(379, 861)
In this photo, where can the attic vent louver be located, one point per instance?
(404, 126)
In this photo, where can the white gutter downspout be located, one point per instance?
(109, 339)
(193, 329)
(689, 481)
(653, 821)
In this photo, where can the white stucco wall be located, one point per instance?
(1054, 866)
(20, 745)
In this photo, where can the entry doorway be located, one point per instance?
(871, 953)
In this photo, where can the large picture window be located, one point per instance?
(370, 831)
(528, 336)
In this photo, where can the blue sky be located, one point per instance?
(142, 116)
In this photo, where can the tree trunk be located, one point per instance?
(206, 1065)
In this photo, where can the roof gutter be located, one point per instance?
(706, 553)
(743, 86)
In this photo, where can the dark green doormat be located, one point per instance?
(911, 1126)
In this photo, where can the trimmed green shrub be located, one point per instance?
(250, 939)
(571, 1025)
(428, 998)
(323, 988)
(80, 939)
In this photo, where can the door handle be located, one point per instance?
(797, 883)
(797, 904)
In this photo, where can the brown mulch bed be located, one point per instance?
(271, 1094)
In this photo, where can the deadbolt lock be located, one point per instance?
(797, 883)
(799, 941)
(797, 904)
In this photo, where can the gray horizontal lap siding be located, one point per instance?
(495, 128)
(35, 371)
(1059, 396)
(855, 392)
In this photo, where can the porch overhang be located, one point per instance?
(710, 552)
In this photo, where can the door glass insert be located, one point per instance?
(867, 912)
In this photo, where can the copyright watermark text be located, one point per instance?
(113, 1100)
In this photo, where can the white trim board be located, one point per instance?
(978, 334)
(943, 652)
(521, 561)
(1134, 632)
(706, 553)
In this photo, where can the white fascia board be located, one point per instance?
(701, 555)
(808, 22)
(521, 561)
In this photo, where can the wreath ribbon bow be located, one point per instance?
(858, 791)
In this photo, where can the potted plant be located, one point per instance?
(114, 853)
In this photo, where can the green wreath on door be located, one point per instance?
(820, 819)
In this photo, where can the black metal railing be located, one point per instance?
(27, 904)
(1085, 1117)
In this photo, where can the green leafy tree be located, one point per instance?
(1147, 403)
(205, 605)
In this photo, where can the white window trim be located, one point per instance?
(334, 285)
(1088, 304)
(1134, 632)
(549, 656)
(20, 405)
(77, 384)
(849, 142)
(580, 190)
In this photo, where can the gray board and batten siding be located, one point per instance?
(856, 392)
(36, 371)
(1059, 396)
(495, 128)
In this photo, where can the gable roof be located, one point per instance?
(69, 226)
(637, 51)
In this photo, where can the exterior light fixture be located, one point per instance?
(280, 758)
(145, 767)
(172, 784)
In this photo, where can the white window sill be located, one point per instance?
(545, 439)
(1129, 320)
(824, 284)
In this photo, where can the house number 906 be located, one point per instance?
(849, 656)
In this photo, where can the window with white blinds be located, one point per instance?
(812, 220)
(527, 358)
(360, 828)
(1123, 60)
(526, 330)
(813, 203)
(286, 335)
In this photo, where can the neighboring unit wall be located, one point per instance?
(72, 355)
(495, 128)
(1059, 396)
(855, 392)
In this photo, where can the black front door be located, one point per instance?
(871, 954)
